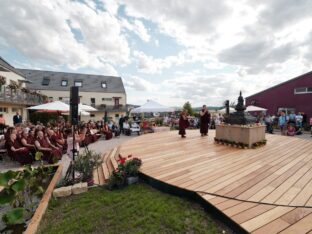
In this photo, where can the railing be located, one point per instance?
(104, 107)
(19, 97)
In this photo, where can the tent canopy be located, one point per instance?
(86, 107)
(224, 110)
(255, 108)
(152, 106)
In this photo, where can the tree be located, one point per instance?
(187, 106)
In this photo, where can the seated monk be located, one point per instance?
(84, 140)
(18, 152)
(107, 132)
(53, 139)
(60, 139)
(90, 134)
(50, 152)
(28, 142)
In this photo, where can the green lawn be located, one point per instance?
(134, 209)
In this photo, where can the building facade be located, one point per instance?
(105, 93)
(14, 96)
(292, 95)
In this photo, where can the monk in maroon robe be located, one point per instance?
(50, 153)
(204, 121)
(29, 143)
(17, 152)
(107, 132)
(183, 123)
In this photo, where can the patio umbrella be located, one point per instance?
(152, 106)
(255, 108)
(56, 106)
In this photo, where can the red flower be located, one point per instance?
(122, 161)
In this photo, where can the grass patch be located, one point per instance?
(134, 209)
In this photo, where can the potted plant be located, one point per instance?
(2, 81)
(85, 164)
(132, 167)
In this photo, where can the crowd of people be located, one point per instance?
(53, 140)
(290, 125)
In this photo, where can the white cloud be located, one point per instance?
(41, 32)
(137, 84)
(138, 28)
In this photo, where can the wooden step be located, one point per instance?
(101, 176)
(96, 176)
(112, 158)
(109, 163)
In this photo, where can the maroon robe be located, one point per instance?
(30, 141)
(204, 123)
(183, 124)
(22, 156)
(49, 155)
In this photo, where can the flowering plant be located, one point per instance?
(127, 167)
(2, 80)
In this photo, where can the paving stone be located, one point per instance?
(80, 188)
(62, 192)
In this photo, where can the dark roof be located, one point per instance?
(9, 67)
(91, 83)
(296, 78)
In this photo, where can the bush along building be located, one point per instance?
(292, 95)
(105, 93)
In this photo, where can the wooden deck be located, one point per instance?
(264, 190)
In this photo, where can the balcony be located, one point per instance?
(110, 108)
(19, 97)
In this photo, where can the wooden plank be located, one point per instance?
(276, 173)
(274, 227)
(109, 163)
(251, 213)
(112, 158)
(265, 218)
(101, 176)
(302, 226)
(96, 176)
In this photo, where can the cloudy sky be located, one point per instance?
(172, 51)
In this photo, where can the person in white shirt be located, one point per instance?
(126, 128)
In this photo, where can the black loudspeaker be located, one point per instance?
(74, 101)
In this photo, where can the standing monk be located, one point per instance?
(183, 123)
(204, 120)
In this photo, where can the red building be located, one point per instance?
(292, 95)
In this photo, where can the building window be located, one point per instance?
(60, 98)
(104, 85)
(64, 83)
(303, 90)
(117, 115)
(51, 99)
(92, 102)
(4, 109)
(14, 110)
(78, 83)
(107, 99)
(287, 110)
(45, 81)
(92, 115)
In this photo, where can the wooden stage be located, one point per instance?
(264, 190)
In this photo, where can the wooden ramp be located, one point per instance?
(102, 173)
(264, 190)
